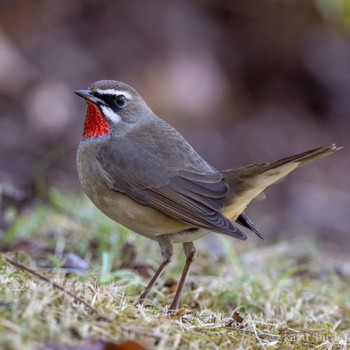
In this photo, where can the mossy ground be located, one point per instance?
(288, 295)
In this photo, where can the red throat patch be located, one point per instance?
(95, 124)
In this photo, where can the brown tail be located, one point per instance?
(249, 181)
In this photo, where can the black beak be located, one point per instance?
(87, 95)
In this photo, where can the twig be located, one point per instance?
(55, 285)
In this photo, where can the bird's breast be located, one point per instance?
(141, 219)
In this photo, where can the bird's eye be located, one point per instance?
(120, 101)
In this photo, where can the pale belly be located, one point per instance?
(144, 220)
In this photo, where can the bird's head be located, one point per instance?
(112, 106)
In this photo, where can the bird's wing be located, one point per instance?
(177, 183)
(244, 220)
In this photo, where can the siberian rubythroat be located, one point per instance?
(142, 173)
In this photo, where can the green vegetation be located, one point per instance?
(288, 295)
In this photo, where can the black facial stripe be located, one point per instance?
(109, 100)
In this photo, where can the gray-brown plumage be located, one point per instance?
(142, 173)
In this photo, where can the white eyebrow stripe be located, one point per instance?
(111, 115)
(114, 92)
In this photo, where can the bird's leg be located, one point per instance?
(167, 253)
(190, 252)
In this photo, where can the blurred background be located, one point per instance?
(244, 81)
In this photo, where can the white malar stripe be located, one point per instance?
(111, 115)
(115, 92)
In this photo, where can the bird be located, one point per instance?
(143, 174)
